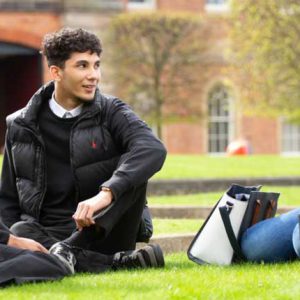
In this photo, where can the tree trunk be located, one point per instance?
(158, 102)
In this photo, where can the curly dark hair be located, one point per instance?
(58, 46)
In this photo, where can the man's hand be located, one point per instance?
(23, 243)
(86, 209)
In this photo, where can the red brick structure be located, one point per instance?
(180, 5)
(201, 137)
(23, 71)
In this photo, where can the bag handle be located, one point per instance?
(225, 212)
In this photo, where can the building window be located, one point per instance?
(220, 119)
(141, 4)
(217, 5)
(290, 138)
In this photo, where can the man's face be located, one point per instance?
(79, 77)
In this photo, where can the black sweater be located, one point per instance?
(59, 203)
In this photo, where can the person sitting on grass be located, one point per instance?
(79, 159)
(273, 240)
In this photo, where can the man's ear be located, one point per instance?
(56, 72)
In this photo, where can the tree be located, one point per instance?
(155, 58)
(265, 38)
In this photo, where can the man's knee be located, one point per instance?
(22, 228)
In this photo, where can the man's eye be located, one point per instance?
(82, 66)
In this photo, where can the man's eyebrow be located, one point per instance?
(85, 62)
(78, 62)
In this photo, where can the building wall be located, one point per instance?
(185, 138)
(181, 5)
(28, 29)
(262, 133)
(22, 75)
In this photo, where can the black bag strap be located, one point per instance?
(225, 212)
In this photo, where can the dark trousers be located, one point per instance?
(115, 230)
(46, 235)
(20, 266)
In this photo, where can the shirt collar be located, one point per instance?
(59, 111)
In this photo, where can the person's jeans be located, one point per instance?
(273, 240)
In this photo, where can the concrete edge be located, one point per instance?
(172, 243)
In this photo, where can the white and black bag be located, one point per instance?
(217, 241)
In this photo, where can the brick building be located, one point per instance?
(23, 24)
(226, 121)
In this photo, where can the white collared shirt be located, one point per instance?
(59, 111)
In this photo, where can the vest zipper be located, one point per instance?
(42, 161)
(77, 190)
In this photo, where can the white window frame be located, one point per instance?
(146, 4)
(217, 7)
(290, 138)
(217, 119)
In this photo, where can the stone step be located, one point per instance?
(171, 243)
(191, 211)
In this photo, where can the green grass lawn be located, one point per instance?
(173, 226)
(180, 279)
(289, 195)
(200, 166)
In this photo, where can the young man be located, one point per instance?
(77, 158)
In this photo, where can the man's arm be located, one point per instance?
(22, 243)
(143, 155)
(9, 204)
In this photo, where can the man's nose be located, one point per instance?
(94, 73)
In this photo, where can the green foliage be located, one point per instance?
(201, 166)
(265, 37)
(155, 58)
(180, 279)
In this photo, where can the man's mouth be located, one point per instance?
(89, 87)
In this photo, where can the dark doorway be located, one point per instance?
(20, 77)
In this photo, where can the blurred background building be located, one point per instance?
(23, 23)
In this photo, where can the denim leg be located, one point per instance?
(296, 240)
(271, 240)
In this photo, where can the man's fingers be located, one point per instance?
(80, 215)
(83, 212)
(43, 249)
(89, 216)
(83, 216)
